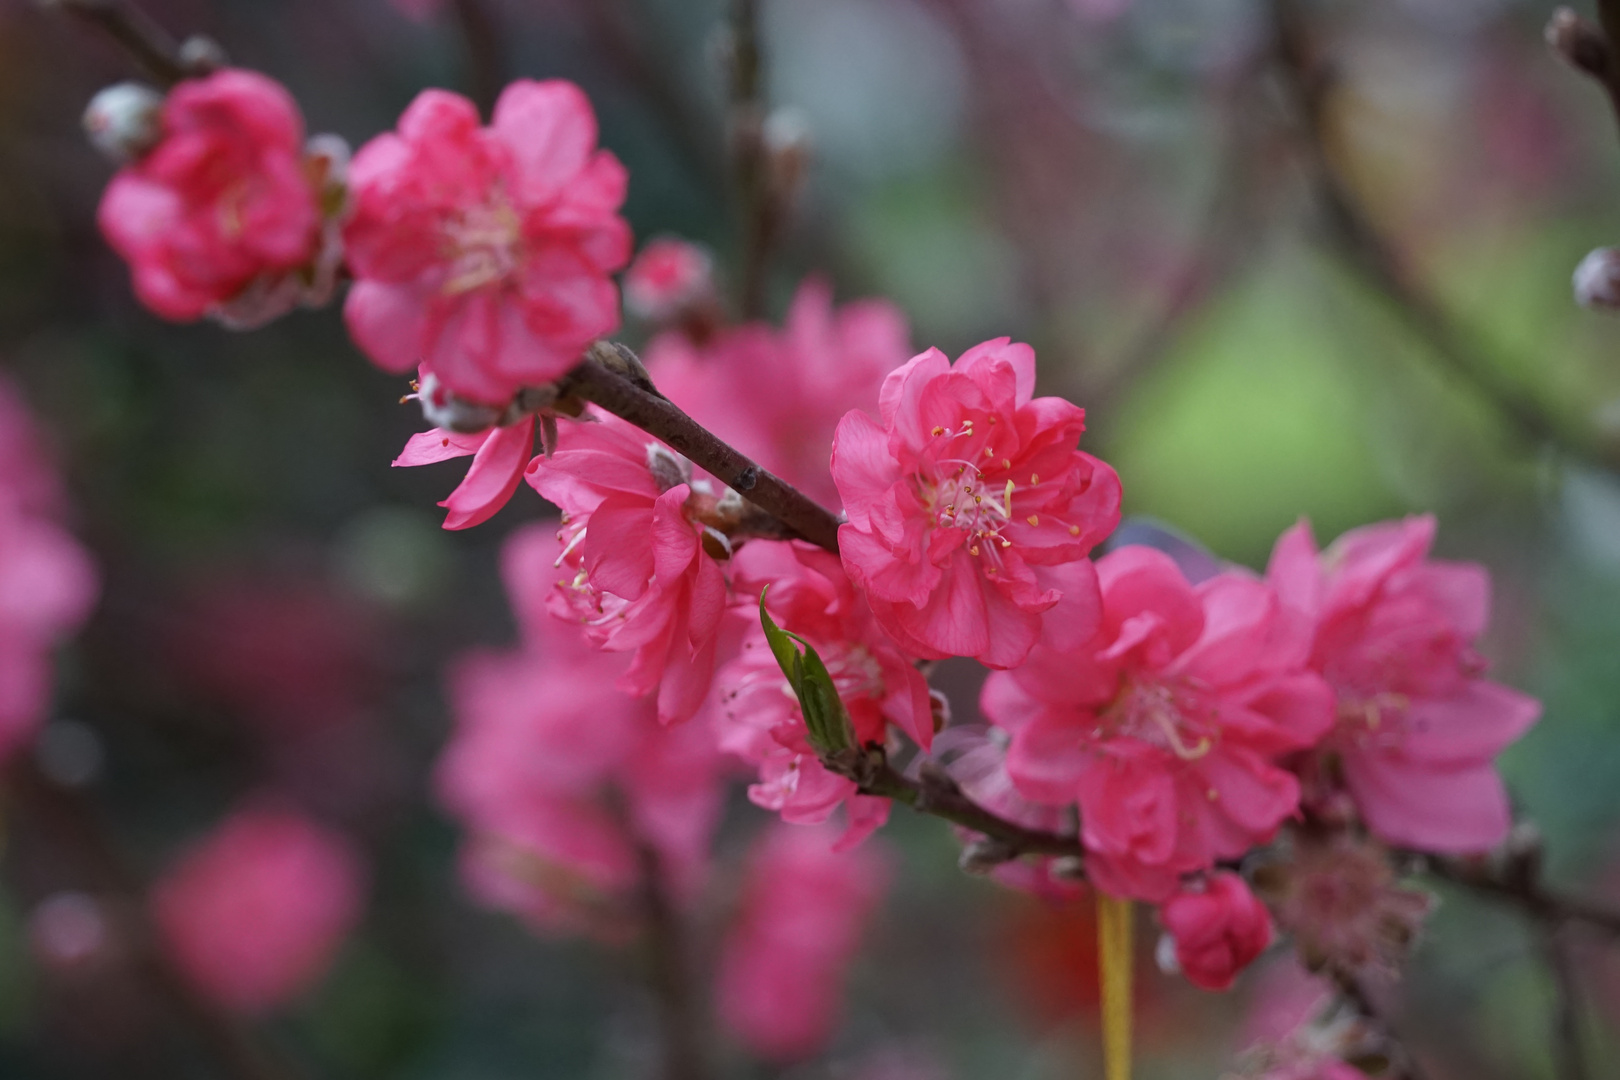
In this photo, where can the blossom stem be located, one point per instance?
(937, 794)
(137, 33)
(639, 404)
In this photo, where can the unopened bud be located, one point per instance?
(985, 854)
(1597, 280)
(124, 121)
(1578, 43)
(940, 707)
(668, 469)
(202, 55)
(669, 278)
(1068, 868)
(448, 412)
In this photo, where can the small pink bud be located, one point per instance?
(669, 278)
(1597, 280)
(1218, 932)
(124, 121)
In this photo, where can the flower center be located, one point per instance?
(1376, 719)
(485, 246)
(1157, 714)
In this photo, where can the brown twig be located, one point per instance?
(1568, 1054)
(1589, 48)
(1354, 237)
(750, 155)
(669, 972)
(137, 33)
(485, 62)
(641, 405)
(1354, 993)
(1526, 893)
(937, 794)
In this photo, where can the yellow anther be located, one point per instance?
(974, 550)
(938, 431)
(1074, 530)
(1033, 519)
(1033, 479)
(1006, 463)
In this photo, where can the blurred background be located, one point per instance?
(1323, 271)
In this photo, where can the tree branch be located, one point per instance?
(1568, 1056)
(1526, 893)
(751, 164)
(635, 400)
(669, 972)
(485, 65)
(137, 33)
(935, 793)
(1365, 251)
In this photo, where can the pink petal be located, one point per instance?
(427, 447)
(1446, 810)
(1469, 728)
(494, 475)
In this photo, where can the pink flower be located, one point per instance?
(670, 280)
(558, 777)
(1418, 727)
(222, 200)
(1218, 930)
(501, 456)
(1164, 725)
(639, 538)
(782, 963)
(485, 253)
(254, 913)
(759, 718)
(963, 497)
(778, 395)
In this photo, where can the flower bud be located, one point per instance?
(124, 121)
(1597, 280)
(669, 278)
(1218, 931)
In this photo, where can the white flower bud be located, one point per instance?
(124, 121)
(1597, 280)
(450, 413)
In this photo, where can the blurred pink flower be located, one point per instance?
(558, 777)
(1418, 727)
(759, 718)
(967, 491)
(668, 280)
(1164, 725)
(799, 926)
(484, 254)
(254, 913)
(643, 578)
(778, 395)
(222, 200)
(1218, 929)
(48, 583)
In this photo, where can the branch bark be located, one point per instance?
(638, 403)
(485, 63)
(137, 33)
(669, 973)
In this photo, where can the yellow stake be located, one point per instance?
(1115, 960)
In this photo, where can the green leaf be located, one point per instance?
(825, 720)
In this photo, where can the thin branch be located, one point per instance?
(1526, 893)
(1364, 250)
(638, 403)
(937, 794)
(137, 33)
(1354, 993)
(1568, 1055)
(1589, 48)
(485, 63)
(669, 972)
(761, 212)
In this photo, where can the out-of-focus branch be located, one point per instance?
(1355, 995)
(746, 133)
(137, 33)
(669, 972)
(632, 398)
(486, 67)
(1526, 892)
(1589, 48)
(937, 794)
(71, 826)
(1568, 1056)
(1358, 242)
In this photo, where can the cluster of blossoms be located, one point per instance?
(1168, 726)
